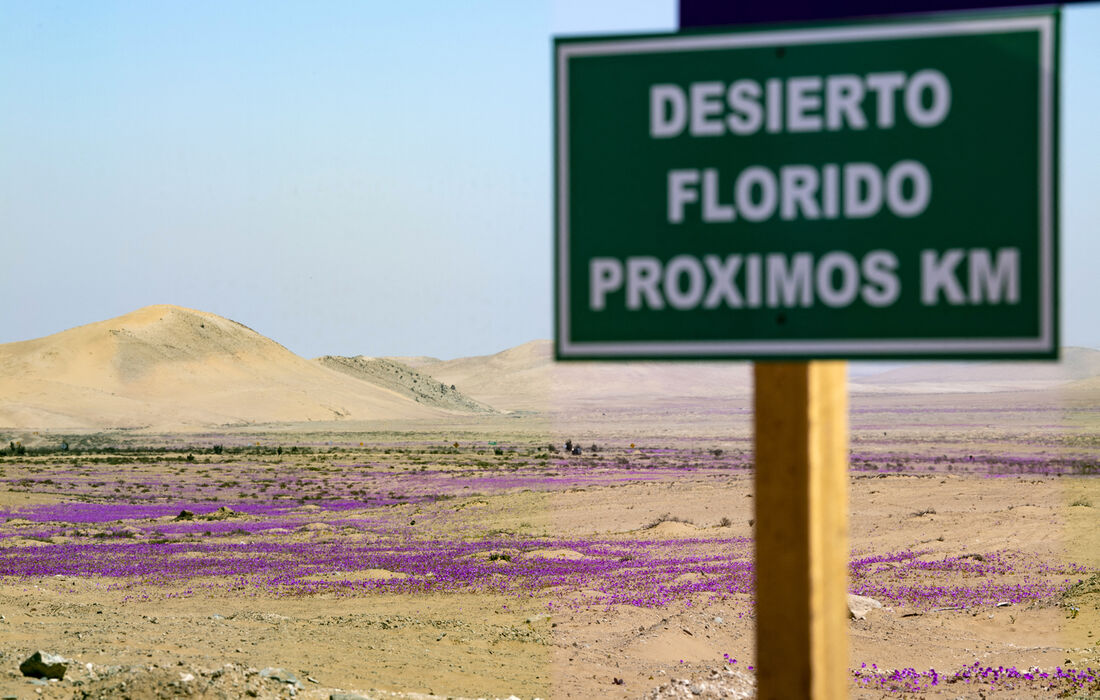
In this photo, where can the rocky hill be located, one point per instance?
(404, 380)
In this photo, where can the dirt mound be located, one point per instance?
(170, 367)
(672, 528)
(355, 576)
(404, 380)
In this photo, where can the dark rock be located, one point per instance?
(345, 696)
(42, 664)
(185, 515)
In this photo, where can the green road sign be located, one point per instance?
(863, 190)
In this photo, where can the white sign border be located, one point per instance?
(1044, 343)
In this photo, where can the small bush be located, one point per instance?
(113, 533)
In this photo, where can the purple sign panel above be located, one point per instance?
(717, 13)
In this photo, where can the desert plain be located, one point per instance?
(188, 509)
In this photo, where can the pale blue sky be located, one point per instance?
(344, 177)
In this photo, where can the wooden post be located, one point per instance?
(801, 530)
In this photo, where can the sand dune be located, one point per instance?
(527, 378)
(1075, 365)
(169, 367)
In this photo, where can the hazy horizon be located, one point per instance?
(345, 179)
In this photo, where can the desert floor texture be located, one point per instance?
(392, 562)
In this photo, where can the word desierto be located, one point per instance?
(809, 104)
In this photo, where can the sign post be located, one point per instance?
(802, 196)
(801, 477)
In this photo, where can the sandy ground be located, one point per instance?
(486, 645)
(920, 482)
